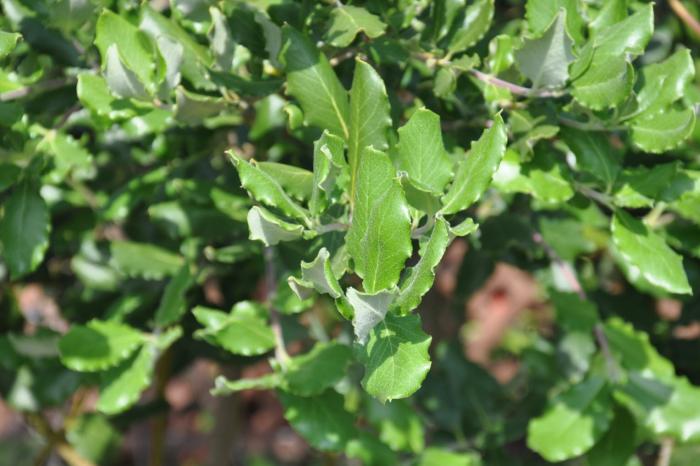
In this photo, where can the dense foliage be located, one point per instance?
(274, 179)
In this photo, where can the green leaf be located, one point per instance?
(297, 182)
(475, 171)
(122, 81)
(662, 131)
(328, 162)
(221, 41)
(321, 420)
(128, 45)
(173, 304)
(618, 445)
(540, 14)
(367, 449)
(68, 155)
(94, 94)
(594, 154)
(474, 24)
(144, 260)
(98, 345)
(369, 118)
(646, 253)
(548, 177)
(642, 186)
(321, 368)
(379, 238)
(244, 331)
(421, 153)
(223, 386)
(574, 422)
(545, 60)
(193, 109)
(347, 21)
(369, 310)
(611, 12)
(606, 83)
(270, 229)
(24, 229)
(172, 54)
(628, 36)
(195, 57)
(574, 314)
(265, 189)
(437, 457)
(312, 81)
(320, 275)
(464, 228)
(421, 276)
(396, 358)
(400, 426)
(122, 386)
(8, 41)
(665, 82)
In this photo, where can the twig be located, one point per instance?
(514, 88)
(665, 452)
(682, 12)
(596, 196)
(270, 287)
(321, 229)
(566, 270)
(587, 126)
(334, 61)
(159, 425)
(575, 284)
(420, 231)
(48, 85)
(57, 441)
(43, 456)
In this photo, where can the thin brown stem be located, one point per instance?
(270, 286)
(570, 276)
(159, 425)
(56, 441)
(43, 86)
(515, 88)
(684, 15)
(665, 452)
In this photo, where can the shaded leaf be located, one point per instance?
(265, 189)
(321, 420)
(172, 304)
(320, 275)
(369, 310)
(574, 422)
(266, 227)
(312, 373)
(144, 260)
(24, 229)
(471, 26)
(98, 345)
(545, 60)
